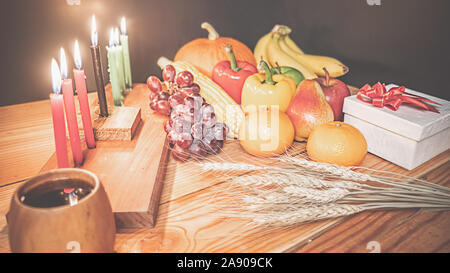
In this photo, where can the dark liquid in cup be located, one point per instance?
(57, 193)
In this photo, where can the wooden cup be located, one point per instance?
(85, 227)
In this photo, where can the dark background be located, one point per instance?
(402, 41)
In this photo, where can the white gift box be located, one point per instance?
(407, 137)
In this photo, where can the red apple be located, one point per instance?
(335, 92)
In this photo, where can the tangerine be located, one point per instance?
(337, 142)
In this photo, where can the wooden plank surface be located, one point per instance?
(186, 220)
(187, 223)
(26, 140)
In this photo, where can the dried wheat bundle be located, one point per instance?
(296, 190)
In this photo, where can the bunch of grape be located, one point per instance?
(192, 128)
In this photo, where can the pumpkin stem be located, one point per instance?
(232, 58)
(212, 33)
(267, 71)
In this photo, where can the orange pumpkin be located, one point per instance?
(205, 53)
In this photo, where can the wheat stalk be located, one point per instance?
(300, 190)
(305, 214)
(239, 167)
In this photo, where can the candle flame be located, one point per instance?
(116, 37)
(94, 34)
(63, 63)
(123, 26)
(56, 77)
(77, 55)
(111, 38)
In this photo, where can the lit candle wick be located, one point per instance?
(94, 34)
(63, 62)
(56, 77)
(116, 37)
(123, 26)
(77, 55)
(111, 38)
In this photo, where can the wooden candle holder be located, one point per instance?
(121, 124)
(133, 171)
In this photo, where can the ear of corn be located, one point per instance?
(225, 108)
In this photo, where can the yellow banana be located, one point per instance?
(284, 31)
(333, 66)
(292, 45)
(314, 63)
(260, 48)
(276, 55)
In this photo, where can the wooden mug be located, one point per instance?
(87, 226)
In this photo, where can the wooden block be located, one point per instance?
(132, 172)
(121, 124)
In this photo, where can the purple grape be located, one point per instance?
(163, 107)
(190, 90)
(180, 154)
(167, 126)
(169, 73)
(163, 96)
(220, 131)
(198, 98)
(195, 88)
(209, 144)
(174, 115)
(186, 92)
(197, 149)
(184, 79)
(197, 130)
(178, 125)
(180, 109)
(213, 146)
(220, 143)
(154, 84)
(153, 105)
(208, 133)
(189, 102)
(175, 100)
(173, 137)
(193, 102)
(189, 116)
(209, 120)
(185, 140)
(207, 109)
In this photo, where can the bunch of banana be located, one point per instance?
(278, 47)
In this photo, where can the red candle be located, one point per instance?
(71, 115)
(59, 125)
(80, 86)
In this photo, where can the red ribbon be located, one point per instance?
(378, 96)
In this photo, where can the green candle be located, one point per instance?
(126, 54)
(120, 62)
(114, 54)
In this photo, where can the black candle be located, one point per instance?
(98, 70)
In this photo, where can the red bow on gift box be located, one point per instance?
(378, 96)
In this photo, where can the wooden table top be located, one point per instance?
(186, 224)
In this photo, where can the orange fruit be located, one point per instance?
(337, 142)
(266, 133)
